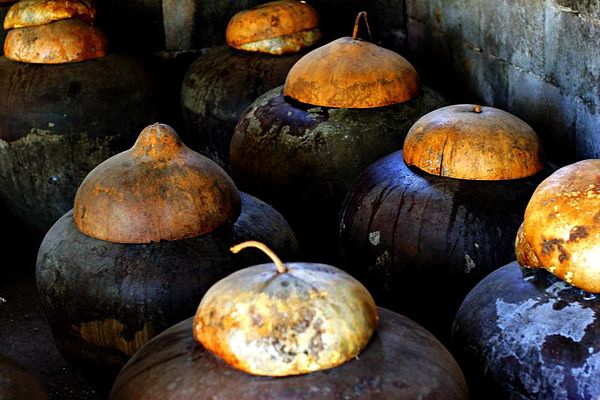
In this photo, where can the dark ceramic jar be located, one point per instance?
(303, 158)
(421, 241)
(402, 361)
(523, 334)
(343, 105)
(158, 220)
(218, 87)
(59, 121)
(262, 45)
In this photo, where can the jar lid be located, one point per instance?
(561, 230)
(157, 190)
(277, 27)
(468, 141)
(40, 12)
(352, 73)
(64, 41)
(279, 320)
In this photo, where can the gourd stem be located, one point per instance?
(357, 24)
(477, 109)
(281, 268)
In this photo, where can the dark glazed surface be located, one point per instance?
(143, 288)
(402, 361)
(217, 89)
(303, 158)
(525, 334)
(420, 242)
(57, 122)
(16, 383)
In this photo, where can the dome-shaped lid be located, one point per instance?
(276, 27)
(352, 73)
(472, 142)
(40, 12)
(278, 320)
(157, 190)
(64, 41)
(561, 230)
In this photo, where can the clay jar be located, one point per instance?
(304, 157)
(59, 121)
(421, 240)
(527, 332)
(158, 220)
(16, 383)
(524, 334)
(401, 361)
(224, 81)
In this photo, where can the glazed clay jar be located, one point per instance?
(149, 234)
(303, 157)
(59, 121)
(420, 227)
(525, 334)
(402, 361)
(225, 80)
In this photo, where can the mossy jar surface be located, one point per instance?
(402, 361)
(57, 122)
(303, 158)
(523, 333)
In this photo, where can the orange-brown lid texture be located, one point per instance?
(276, 27)
(64, 41)
(561, 230)
(468, 141)
(278, 320)
(40, 12)
(352, 73)
(157, 190)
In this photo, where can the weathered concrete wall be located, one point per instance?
(539, 59)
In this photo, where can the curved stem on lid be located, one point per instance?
(357, 24)
(281, 268)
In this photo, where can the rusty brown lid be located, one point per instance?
(352, 73)
(468, 141)
(277, 27)
(319, 314)
(40, 12)
(64, 41)
(157, 190)
(561, 230)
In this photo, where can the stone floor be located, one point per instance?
(24, 333)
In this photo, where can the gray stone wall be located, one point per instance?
(539, 59)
